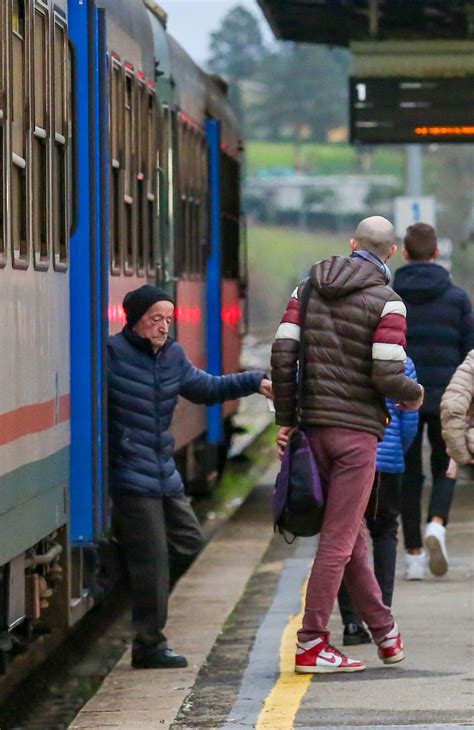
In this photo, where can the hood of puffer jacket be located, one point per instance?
(339, 276)
(421, 282)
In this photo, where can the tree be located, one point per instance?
(297, 91)
(236, 49)
(304, 92)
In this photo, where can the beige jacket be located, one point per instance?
(457, 412)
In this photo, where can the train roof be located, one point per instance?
(129, 34)
(195, 93)
(161, 46)
(189, 82)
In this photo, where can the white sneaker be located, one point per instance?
(415, 566)
(435, 541)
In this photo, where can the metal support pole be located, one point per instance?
(373, 18)
(414, 169)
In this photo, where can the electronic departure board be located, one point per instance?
(403, 110)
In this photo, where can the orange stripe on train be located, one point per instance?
(34, 418)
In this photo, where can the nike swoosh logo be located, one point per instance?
(329, 658)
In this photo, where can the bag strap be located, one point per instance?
(305, 295)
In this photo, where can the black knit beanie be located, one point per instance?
(139, 301)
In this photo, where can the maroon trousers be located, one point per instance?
(346, 462)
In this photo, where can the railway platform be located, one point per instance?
(235, 615)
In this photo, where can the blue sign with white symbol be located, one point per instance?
(410, 209)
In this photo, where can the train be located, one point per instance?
(120, 164)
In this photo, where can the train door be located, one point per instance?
(88, 271)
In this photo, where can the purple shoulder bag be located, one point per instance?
(298, 502)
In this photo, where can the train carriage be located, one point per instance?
(34, 313)
(119, 164)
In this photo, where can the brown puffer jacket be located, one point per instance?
(457, 412)
(355, 333)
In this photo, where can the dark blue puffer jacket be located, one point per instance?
(399, 433)
(440, 326)
(143, 389)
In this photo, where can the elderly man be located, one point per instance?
(354, 356)
(152, 519)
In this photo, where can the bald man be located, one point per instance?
(354, 357)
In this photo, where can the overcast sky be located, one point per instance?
(191, 21)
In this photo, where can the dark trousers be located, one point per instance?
(412, 484)
(158, 538)
(382, 521)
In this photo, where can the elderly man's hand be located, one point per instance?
(283, 436)
(266, 388)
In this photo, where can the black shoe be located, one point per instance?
(355, 634)
(158, 659)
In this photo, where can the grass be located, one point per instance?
(239, 478)
(322, 159)
(279, 258)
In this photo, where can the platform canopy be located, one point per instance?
(340, 22)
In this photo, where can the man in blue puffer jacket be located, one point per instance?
(152, 519)
(383, 511)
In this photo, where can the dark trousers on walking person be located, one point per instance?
(159, 538)
(382, 523)
(412, 484)
(346, 462)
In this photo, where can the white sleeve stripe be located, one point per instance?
(288, 331)
(294, 294)
(387, 351)
(394, 308)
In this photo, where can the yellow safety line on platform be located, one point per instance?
(283, 702)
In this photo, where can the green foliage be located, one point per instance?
(236, 50)
(279, 258)
(288, 91)
(379, 194)
(236, 47)
(322, 159)
(303, 92)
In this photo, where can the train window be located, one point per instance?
(142, 227)
(194, 259)
(142, 119)
(180, 231)
(60, 162)
(184, 197)
(40, 142)
(19, 207)
(151, 182)
(3, 152)
(189, 200)
(173, 193)
(142, 139)
(204, 211)
(145, 178)
(129, 183)
(230, 216)
(18, 17)
(163, 203)
(116, 193)
(2, 197)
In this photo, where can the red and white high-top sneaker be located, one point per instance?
(391, 647)
(318, 657)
